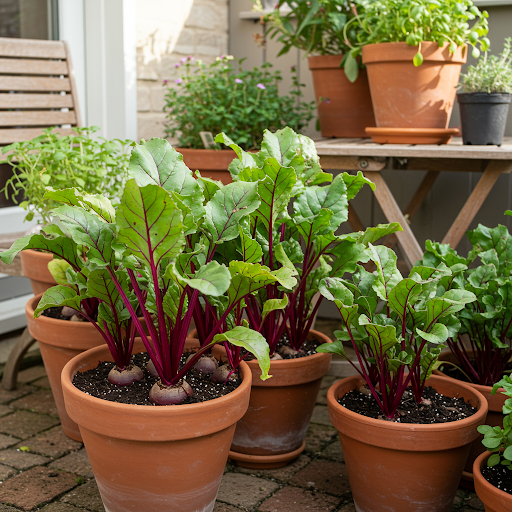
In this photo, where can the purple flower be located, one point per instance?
(166, 81)
(260, 86)
(177, 65)
(183, 60)
(222, 57)
(293, 68)
(239, 81)
(178, 81)
(327, 100)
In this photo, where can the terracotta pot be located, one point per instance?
(154, 459)
(407, 467)
(212, 163)
(405, 96)
(493, 498)
(271, 434)
(494, 416)
(60, 341)
(349, 110)
(35, 266)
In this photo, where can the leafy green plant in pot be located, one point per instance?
(97, 166)
(413, 51)
(493, 471)
(153, 256)
(293, 229)
(222, 96)
(484, 98)
(480, 351)
(396, 422)
(316, 28)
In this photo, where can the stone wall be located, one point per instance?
(167, 30)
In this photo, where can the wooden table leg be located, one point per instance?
(10, 377)
(415, 203)
(410, 246)
(353, 219)
(475, 201)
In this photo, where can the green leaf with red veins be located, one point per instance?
(388, 275)
(253, 342)
(450, 302)
(284, 147)
(273, 305)
(332, 288)
(438, 334)
(58, 270)
(371, 235)
(156, 162)
(101, 286)
(355, 183)
(208, 186)
(245, 159)
(228, 207)
(336, 347)
(88, 229)
(150, 224)
(59, 295)
(61, 246)
(403, 296)
(251, 249)
(346, 255)
(381, 337)
(211, 279)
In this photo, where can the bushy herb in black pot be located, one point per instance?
(484, 98)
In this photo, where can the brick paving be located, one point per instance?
(42, 469)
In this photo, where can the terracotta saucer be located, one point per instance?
(265, 461)
(411, 135)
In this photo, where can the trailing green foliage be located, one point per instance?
(498, 440)
(415, 21)
(223, 97)
(492, 73)
(95, 165)
(390, 322)
(487, 322)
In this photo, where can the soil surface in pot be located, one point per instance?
(441, 409)
(307, 349)
(94, 382)
(56, 312)
(499, 476)
(455, 373)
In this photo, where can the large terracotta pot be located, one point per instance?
(271, 434)
(154, 459)
(406, 467)
(35, 266)
(405, 96)
(493, 498)
(349, 108)
(494, 416)
(212, 163)
(60, 341)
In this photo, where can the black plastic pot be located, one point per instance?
(483, 117)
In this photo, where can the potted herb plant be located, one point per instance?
(293, 228)
(484, 98)
(97, 166)
(413, 51)
(479, 351)
(342, 92)
(155, 251)
(396, 422)
(208, 99)
(493, 471)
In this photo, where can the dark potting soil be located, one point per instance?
(499, 476)
(56, 312)
(307, 349)
(94, 382)
(441, 410)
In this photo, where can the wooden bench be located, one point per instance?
(37, 91)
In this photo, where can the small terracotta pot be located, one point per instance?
(494, 416)
(349, 108)
(493, 498)
(60, 341)
(407, 467)
(405, 96)
(158, 459)
(212, 163)
(35, 266)
(271, 434)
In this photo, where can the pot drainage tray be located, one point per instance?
(411, 135)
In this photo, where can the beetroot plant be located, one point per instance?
(482, 346)
(390, 322)
(294, 228)
(153, 257)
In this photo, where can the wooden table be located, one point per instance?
(370, 158)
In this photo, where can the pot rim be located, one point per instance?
(377, 53)
(318, 62)
(332, 401)
(477, 473)
(38, 254)
(73, 366)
